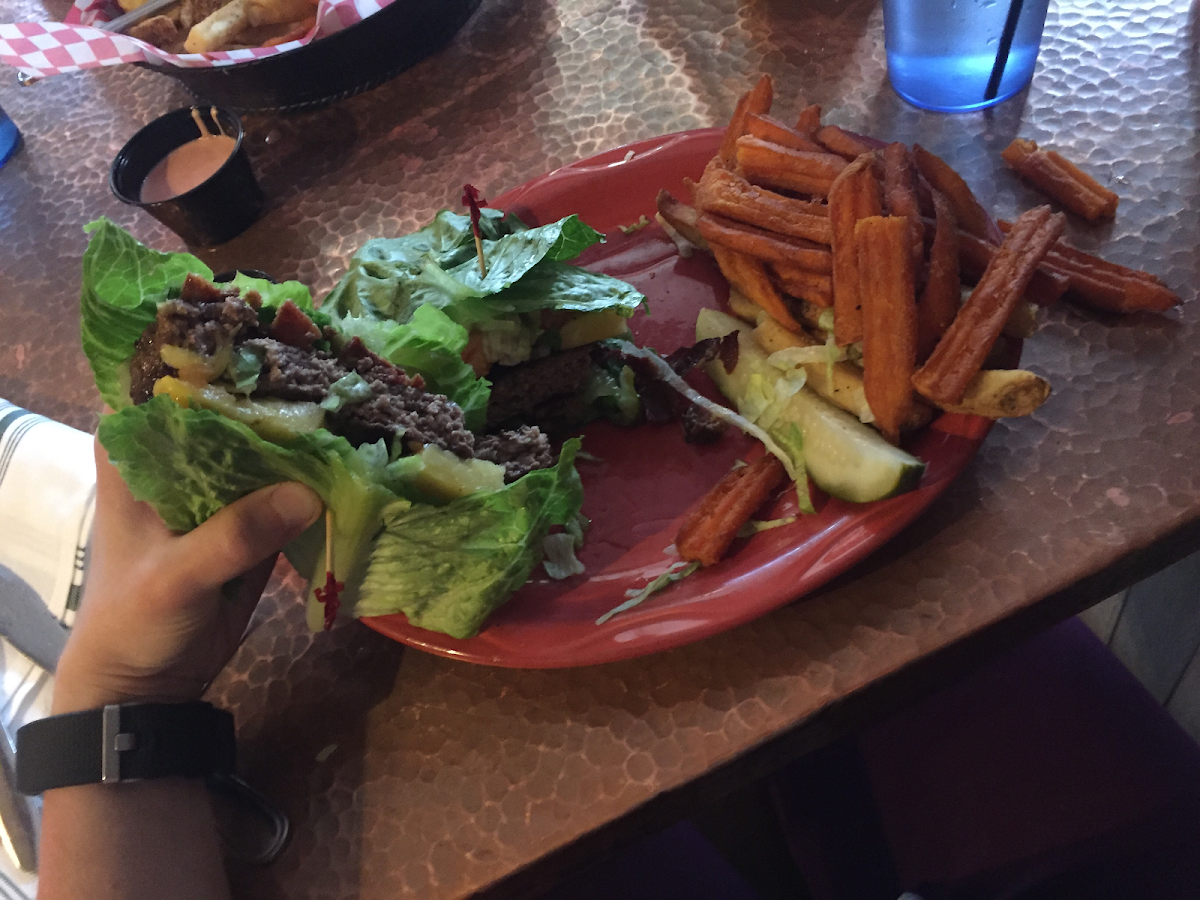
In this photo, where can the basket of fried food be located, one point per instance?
(880, 257)
(318, 70)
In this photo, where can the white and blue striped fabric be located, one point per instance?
(47, 499)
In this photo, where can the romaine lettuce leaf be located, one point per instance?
(449, 568)
(430, 343)
(437, 266)
(123, 283)
(190, 463)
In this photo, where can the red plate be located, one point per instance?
(647, 477)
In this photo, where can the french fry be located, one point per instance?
(772, 130)
(809, 122)
(724, 193)
(942, 294)
(757, 100)
(970, 216)
(1104, 285)
(746, 309)
(681, 217)
(771, 165)
(889, 309)
(750, 277)
(1046, 285)
(842, 383)
(900, 199)
(960, 353)
(841, 142)
(1061, 180)
(277, 12)
(219, 29)
(294, 33)
(855, 194)
(711, 526)
(1002, 393)
(807, 285)
(764, 245)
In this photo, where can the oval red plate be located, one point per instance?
(645, 478)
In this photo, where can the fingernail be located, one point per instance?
(296, 504)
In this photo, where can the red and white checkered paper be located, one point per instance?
(40, 49)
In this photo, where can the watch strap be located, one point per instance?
(125, 742)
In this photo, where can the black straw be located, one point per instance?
(1006, 39)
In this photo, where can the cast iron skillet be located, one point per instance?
(354, 59)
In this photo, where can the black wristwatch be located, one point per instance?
(125, 742)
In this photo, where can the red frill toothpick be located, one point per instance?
(329, 595)
(472, 201)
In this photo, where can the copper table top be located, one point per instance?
(409, 775)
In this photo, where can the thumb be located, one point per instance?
(245, 533)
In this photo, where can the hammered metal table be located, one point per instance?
(407, 775)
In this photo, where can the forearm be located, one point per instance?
(155, 840)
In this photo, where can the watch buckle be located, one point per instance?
(113, 742)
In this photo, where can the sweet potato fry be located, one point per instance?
(770, 129)
(854, 194)
(900, 199)
(960, 353)
(724, 193)
(681, 217)
(757, 100)
(1108, 286)
(807, 285)
(1045, 286)
(764, 245)
(773, 166)
(809, 121)
(710, 527)
(842, 383)
(889, 310)
(1002, 393)
(942, 294)
(750, 277)
(970, 216)
(841, 142)
(1061, 180)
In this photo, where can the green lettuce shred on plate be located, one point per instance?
(410, 300)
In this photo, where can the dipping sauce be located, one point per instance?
(186, 167)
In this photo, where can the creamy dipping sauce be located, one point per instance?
(186, 167)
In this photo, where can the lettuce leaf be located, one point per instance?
(430, 343)
(123, 284)
(190, 463)
(437, 266)
(449, 568)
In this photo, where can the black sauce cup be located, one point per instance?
(212, 212)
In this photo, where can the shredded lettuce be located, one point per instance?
(675, 572)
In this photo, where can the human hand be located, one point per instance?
(162, 613)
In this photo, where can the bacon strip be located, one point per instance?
(962, 350)
(710, 528)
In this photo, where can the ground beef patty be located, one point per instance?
(291, 373)
(520, 451)
(204, 317)
(399, 405)
(519, 391)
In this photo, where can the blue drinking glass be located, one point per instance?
(10, 138)
(961, 55)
